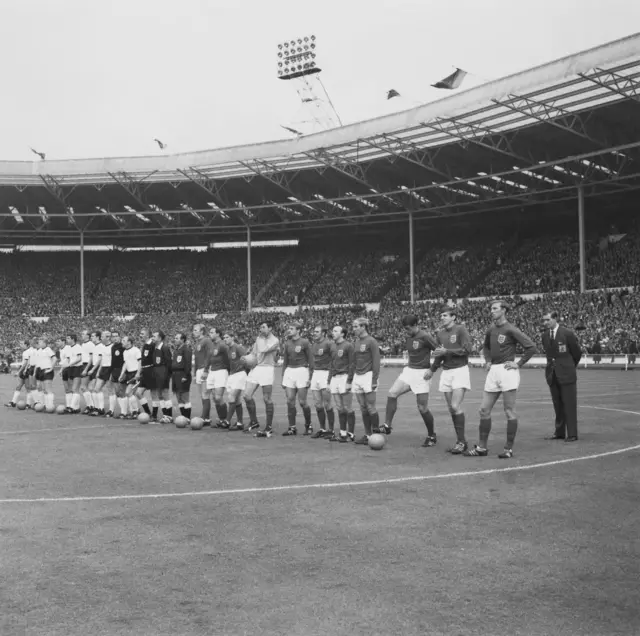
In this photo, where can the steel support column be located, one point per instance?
(411, 260)
(249, 300)
(82, 274)
(583, 278)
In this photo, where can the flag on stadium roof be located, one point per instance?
(162, 145)
(292, 130)
(392, 93)
(42, 155)
(452, 81)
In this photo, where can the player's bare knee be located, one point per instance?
(484, 412)
(510, 413)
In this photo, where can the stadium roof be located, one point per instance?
(528, 139)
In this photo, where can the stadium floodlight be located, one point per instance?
(16, 214)
(294, 57)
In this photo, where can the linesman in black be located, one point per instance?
(147, 377)
(181, 374)
(160, 396)
(563, 355)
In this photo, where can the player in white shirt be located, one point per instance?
(45, 363)
(74, 372)
(129, 378)
(101, 370)
(22, 375)
(89, 342)
(64, 351)
(31, 373)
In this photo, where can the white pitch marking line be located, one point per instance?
(60, 428)
(341, 484)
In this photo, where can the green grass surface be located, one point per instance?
(546, 551)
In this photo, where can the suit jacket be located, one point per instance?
(563, 355)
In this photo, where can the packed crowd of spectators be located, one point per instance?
(124, 283)
(443, 273)
(536, 266)
(170, 289)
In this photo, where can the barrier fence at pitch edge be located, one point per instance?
(595, 362)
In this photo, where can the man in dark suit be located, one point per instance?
(563, 355)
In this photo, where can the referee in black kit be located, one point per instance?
(563, 355)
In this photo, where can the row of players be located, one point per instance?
(332, 368)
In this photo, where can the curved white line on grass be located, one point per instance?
(340, 484)
(47, 430)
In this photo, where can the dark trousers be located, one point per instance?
(565, 404)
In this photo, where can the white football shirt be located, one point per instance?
(87, 351)
(131, 358)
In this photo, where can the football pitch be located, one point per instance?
(111, 527)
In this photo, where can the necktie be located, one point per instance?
(551, 334)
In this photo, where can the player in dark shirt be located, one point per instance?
(365, 377)
(237, 381)
(340, 379)
(503, 377)
(452, 355)
(115, 389)
(322, 349)
(162, 377)
(147, 378)
(218, 375)
(202, 351)
(297, 364)
(181, 373)
(419, 345)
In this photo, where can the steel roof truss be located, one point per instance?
(625, 86)
(55, 189)
(282, 180)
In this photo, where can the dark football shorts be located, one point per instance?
(128, 376)
(31, 370)
(24, 374)
(161, 378)
(104, 374)
(181, 382)
(75, 372)
(65, 374)
(115, 374)
(44, 376)
(147, 379)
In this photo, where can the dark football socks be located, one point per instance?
(322, 418)
(392, 406)
(458, 425)
(485, 429)
(331, 418)
(269, 409)
(351, 422)
(251, 407)
(427, 418)
(512, 429)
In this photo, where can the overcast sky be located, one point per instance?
(93, 78)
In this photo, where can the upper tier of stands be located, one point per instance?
(47, 283)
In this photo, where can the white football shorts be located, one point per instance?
(217, 379)
(362, 383)
(414, 379)
(452, 379)
(237, 382)
(261, 375)
(500, 379)
(295, 378)
(339, 384)
(320, 380)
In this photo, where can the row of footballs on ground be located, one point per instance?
(376, 441)
(181, 421)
